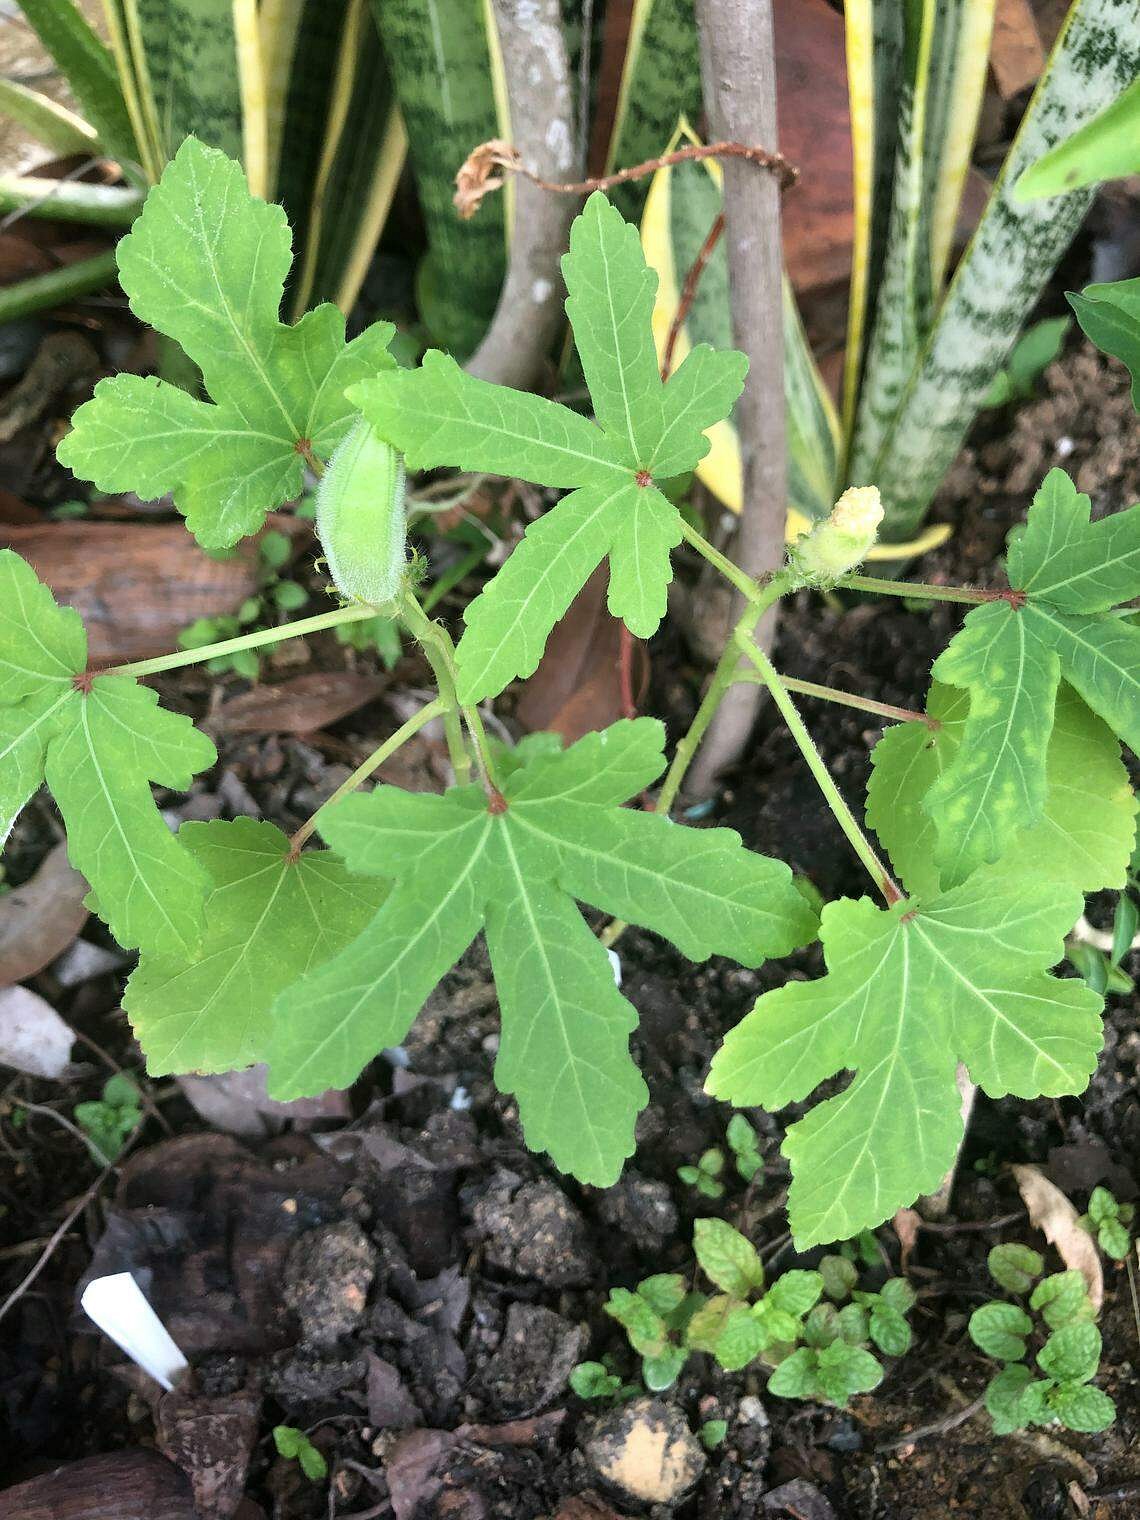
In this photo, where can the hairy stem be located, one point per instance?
(362, 772)
(919, 590)
(832, 795)
(745, 586)
(483, 760)
(263, 636)
(739, 76)
(845, 699)
(436, 644)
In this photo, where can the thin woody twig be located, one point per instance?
(476, 177)
(689, 291)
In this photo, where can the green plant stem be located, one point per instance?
(474, 721)
(918, 590)
(724, 675)
(362, 772)
(61, 200)
(832, 795)
(845, 699)
(42, 291)
(440, 652)
(353, 614)
(753, 590)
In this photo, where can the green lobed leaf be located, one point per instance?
(909, 992)
(1102, 1205)
(1015, 1267)
(889, 1330)
(269, 919)
(996, 783)
(1010, 655)
(899, 1294)
(1071, 562)
(646, 432)
(610, 306)
(1072, 1353)
(564, 1048)
(205, 264)
(664, 1291)
(647, 1331)
(109, 745)
(99, 742)
(1110, 316)
(727, 1258)
(1084, 836)
(797, 1376)
(1000, 1331)
(1114, 1240)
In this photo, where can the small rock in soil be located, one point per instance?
(327, 1278)
(390, 1405)
(646, 1451)
(306, 1376)
(533, 1362)
(640, 1208)
(535, 1232)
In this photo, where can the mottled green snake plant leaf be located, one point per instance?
(457, 866)
(646, 431)
(910, 991)
(99, 741)
(1067, 576)
(205, 264)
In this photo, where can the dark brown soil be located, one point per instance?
(420, 1271)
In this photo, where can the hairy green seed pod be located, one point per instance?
(841, 541)
(360, 517)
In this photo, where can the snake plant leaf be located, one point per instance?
(270, 917)
(1085, 834)
(276, 390)
(99, 742)
(1110, 316)
(910, 991)
(1010, 257)
(190, 84)
(438, 415)
(939, 52)
(86, 63)
(1010, 655)
(660, 82)
(458, 866)
(443, 57)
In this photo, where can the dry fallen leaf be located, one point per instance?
(300, 705)
(39, 920)
(1056, 1218)
(33, 1037)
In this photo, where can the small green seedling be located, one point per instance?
(1068, 1355)
(742, 1143)
(1030, 357)
(598, 1383)
(705, 1176)
(654, 1317)
(110, 1121)
(295, 1446)
(274, 594)
(713, 1433)
(1110, 1223)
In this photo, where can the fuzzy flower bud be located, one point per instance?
(841, 541)
(360, 517)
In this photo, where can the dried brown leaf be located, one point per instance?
(39, 920)
(1056, 1218)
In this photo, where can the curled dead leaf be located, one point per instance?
(33, 1037)
(475, 177)
(39, 920)
(1056, 1218)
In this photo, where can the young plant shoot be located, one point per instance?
(998, 807)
